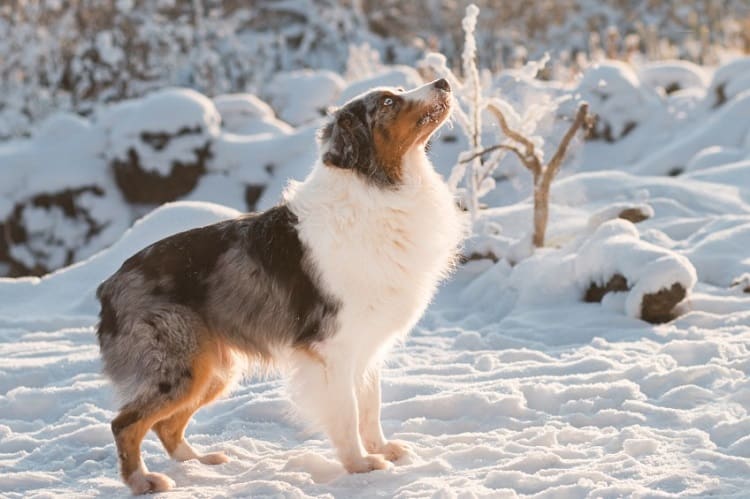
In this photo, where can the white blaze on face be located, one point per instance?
(427, 94)
(434, 101)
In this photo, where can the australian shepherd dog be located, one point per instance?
(320, 285)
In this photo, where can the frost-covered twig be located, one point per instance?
(530, 159)
(542, 174)
(580, 120)
(497, 147)
(471, 81)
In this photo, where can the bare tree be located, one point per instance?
(531, 158)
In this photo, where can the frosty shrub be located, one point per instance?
(159, 146)
(76, 54)
(651, 279)
(51, 230)
(475, 172)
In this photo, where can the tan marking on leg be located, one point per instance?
(208, 386)
(171, 431)
(132, 424)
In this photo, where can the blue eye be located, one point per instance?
(387, 101)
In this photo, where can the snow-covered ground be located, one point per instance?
(498, 396)
(511, 385)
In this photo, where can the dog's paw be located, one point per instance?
(366, 464)
(214, 458)
(145, 482)
(394, 450)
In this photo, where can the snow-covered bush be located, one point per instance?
(610, 264)
(650, 280)
(394, 76)
(714, 156)
(58, 204)
(51, 230)
(476, 173)
(729, 80)
(246, 114)
(511, 32)
(78, 53)
(159, 146)
(618, 99)
(726, 126)
(303, 96)
(75, 54)
(673, 76)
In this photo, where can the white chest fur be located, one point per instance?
(380, 251)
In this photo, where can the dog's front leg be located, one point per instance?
(323, 387)
(368, 398)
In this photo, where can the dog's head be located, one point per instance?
(371, 133)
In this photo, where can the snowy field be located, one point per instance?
(512, 385)
(497, 397)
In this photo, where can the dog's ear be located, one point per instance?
(347, 140)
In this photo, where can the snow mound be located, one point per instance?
(719, 250)
(65, 153)
(673, 76)
(159, 146)
(60, 126)
(264, 164)
(714, 156)
(51, 230)
(300, 97)
(628, 211)
(618, 98)
(168, 110)
(246, 114)
(58, 203)
(729, 81)
(727, 127)
(655, 279)
(71, 291)
(395, 76)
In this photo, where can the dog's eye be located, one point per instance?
(387, 101)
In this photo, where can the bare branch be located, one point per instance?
(541, 190)
(530, 159)
(495, 148)
(554, 164)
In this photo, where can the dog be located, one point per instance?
(320, 286)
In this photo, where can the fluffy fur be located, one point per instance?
(320, 285)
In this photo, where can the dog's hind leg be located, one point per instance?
(137, 417)
(171, 431)
(129, 428)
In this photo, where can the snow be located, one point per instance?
(511, 385)
(302, 96)
(246, 114)
(615, 248)
(617, 96)
(732, 78)
(714, 131)
(678, 75)
(713, 156)
(396, 76)
(573, 408)
(51, 160)
(187, 115)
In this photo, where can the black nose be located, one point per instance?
(443, 84)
